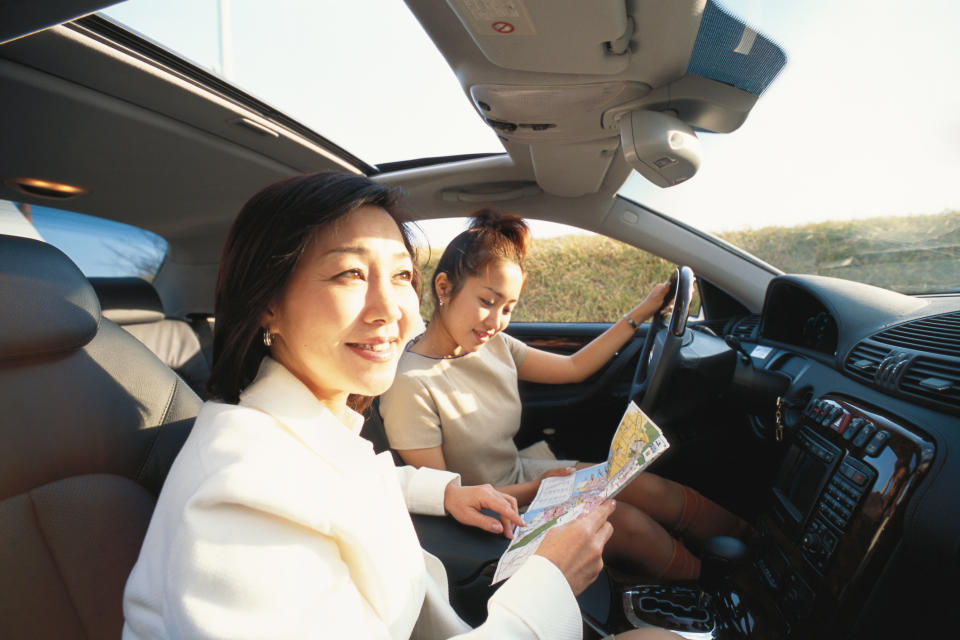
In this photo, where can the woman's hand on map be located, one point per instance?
(465, 504)
(576, 547)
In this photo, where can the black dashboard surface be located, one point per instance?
(813, 330)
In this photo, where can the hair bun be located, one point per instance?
(512, 228)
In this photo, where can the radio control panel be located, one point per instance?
(838, 501)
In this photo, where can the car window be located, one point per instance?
(572, 275)
(98, 246)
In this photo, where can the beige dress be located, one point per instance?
(470, 406)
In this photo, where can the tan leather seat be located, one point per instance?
(90, 423)
(134, 304)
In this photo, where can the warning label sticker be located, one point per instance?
(497, 17)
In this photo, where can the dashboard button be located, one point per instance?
(857, 477)
(865, 433)
(853, 428)
(840, 424)
(877, 442)
(829, 414)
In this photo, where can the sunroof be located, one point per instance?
(362, 74)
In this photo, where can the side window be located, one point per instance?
(98, 246)
(572, 275)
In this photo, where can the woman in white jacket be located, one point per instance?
(277, 519)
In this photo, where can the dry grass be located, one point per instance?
(595, 279)
(911, 254)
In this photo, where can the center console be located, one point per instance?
(834, 514)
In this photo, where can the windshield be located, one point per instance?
(391, 84)
(845, 167)
(848, 164)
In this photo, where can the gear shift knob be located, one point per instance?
(720, 558)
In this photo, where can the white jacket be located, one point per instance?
(278, 521)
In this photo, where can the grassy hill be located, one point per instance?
(913, 254)
(593, 278)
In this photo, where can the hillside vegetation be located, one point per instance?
(596, 279)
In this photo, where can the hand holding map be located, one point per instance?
(576, 548)
(636, 443)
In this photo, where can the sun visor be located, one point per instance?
(731, 52)
(544, 35)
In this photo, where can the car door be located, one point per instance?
(577, 420)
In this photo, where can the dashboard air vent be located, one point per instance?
(746, 329)
(864, 359)
(936, 334)
(919, 359)
(933, 378)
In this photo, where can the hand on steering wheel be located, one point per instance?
(658, 357)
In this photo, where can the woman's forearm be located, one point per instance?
(551, 368)
(601, 349)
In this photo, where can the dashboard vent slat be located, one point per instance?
(918, 359)
(933, 378)
(864, 359)
(937, 334)
(936, 384)
(920, 337)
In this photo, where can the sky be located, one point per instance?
(863, 121)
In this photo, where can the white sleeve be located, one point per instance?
(236, 571)
(423, 488)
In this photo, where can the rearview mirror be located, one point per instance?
(662, 148)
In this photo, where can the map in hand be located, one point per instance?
(636, 443)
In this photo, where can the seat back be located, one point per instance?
(134, 304)
(91, 422)
(374, 431)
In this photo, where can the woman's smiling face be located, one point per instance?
(482, 307)
(342, 320)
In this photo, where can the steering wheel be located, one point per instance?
(661, 349)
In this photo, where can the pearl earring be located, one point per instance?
(267, 337)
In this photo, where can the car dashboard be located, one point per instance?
(861, 525)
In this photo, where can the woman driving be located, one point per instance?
(455, 403)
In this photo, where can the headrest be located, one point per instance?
(128, 300)
(46, 305)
